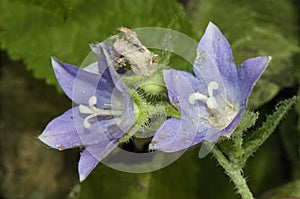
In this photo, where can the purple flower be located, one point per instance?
(213, 101)
(104, 110)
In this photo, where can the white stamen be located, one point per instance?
(219, 115)
(211, 87)
(204, 117)
(85, 109)
(227, 102)
(212, 103)
(93, 111)
(86, 123)
(197, 96)
(92, 101)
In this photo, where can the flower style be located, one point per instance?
(213, 101)
(103, 114)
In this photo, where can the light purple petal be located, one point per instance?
(79, 85)
(212, 135)
(91, 156)
(122, 101)
(92, 68)
(181, 85)
(215, 62)
(249, 72)
(67, 131)
(61, 133)
(106, 55)
(117, 131)
(235, 122)
(175, 135)
(99, 130)
(127, 117)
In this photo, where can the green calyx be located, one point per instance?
(148, 117)
(154, 85)
(150, 85)
(151, 105)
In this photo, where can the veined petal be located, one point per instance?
(181, 85)
(91, 156)
(212, 134)
(67, 131)
(61, 133)
(175, 135)
(107, 56)
(92, 68)
(215, 62)
(249, 72)
(106, 61)
(127, 117)
(232, 126)
(79, 84)
(98, 131)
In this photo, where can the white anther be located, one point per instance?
(227, 102)
(212, 103)
(92, 101)
(85, 109)
(86, 123)
(219, 115)
(93, 111)
(197, 96)
(211, 87)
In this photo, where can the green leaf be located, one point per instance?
(297, 74)
(105, 182)
(257, 138)
(290, 190)
(255, 28)
(290, 137)
(64, 29)
(265, 169)
(59, 8)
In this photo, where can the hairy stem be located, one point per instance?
(234, 173)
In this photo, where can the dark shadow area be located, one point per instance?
(29, 169)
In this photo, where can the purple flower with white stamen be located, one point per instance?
(104, 110)
(213, 101)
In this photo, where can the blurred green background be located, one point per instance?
(33, 30)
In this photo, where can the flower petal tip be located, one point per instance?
(40, 137)
(55, 62)
(270, 58)
(95, 48)
(212, 25)
(47, 139)
(86, 164)
(82, 177)
(58, 67)
(211, 28)
(43, 137)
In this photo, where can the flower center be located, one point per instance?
(93, 111)
(220, 111)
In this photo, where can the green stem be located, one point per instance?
(234, 173)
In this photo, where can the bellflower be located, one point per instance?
(213, 101)
(104, 110)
